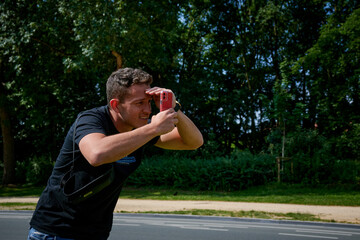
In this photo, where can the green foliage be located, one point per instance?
(56, 57)
(36, 171)
(242, 72)
(314, 159)
(348, 145)
(238, 171)
(335, 79)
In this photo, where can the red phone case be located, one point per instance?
(165, 100)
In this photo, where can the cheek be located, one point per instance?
(134, 111)
(128, 112)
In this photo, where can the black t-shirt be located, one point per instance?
(91, 219)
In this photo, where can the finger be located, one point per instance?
(154, 90)
(157, 90)
(151, 89)
(170, 110)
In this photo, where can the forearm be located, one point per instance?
(186, 136)
(190, 134)
(99, 149)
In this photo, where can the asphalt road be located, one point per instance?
(14, 226)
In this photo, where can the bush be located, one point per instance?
(238, 171)
(348, 145)
(315, 161)
(35, 171)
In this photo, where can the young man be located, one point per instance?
(104, 140)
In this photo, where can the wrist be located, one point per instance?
(177, 106)
(151, 129)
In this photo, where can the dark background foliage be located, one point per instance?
(261, 79)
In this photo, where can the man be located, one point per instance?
(109, 137)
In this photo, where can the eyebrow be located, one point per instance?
(141, 99)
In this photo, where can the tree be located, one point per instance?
(6, 130)
(238, 67)
(57, 55)
(332, 64)
(8, 39)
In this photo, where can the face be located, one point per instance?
(135, 110)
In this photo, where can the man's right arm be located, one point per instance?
(99, 149)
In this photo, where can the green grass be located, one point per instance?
(201, 212)
(17, 206)
(21, 191)
(271, 193)
(247, 214)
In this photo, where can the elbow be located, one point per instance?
(201, 142)
(95, 159)
(94, 162)
(93, 150)
(198, 143)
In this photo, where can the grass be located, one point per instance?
(247, 214)
(21, 191)
(201, 212)
(17, 206)
(271, 193)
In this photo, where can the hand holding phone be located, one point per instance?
(165, 100)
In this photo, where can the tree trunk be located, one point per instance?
(119, 60)
(8, 147)
(7, 137)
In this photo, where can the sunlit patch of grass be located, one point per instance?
(17, 206)
(20, 191)
(271, 193)
(243, 214)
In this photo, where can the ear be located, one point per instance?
(114, 103)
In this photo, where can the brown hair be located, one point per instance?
(120, 80)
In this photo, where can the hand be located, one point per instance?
(155, 93)
(164, 121)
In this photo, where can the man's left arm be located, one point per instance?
(185, 136)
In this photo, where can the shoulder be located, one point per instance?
(98, 116)
(95, 120)
(98, 112)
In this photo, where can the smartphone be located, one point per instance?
(165, 100)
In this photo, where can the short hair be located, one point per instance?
(119, 81)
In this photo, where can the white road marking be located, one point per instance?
(126, 224)
(326, 232)
(309, 236)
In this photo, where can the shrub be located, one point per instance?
(238, 171)
(35, 171)
(315, 161)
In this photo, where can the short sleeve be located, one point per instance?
(90, 122)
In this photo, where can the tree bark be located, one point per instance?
(7, 136)
(8, 147)
(119, 61)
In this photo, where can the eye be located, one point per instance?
(143, 102)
